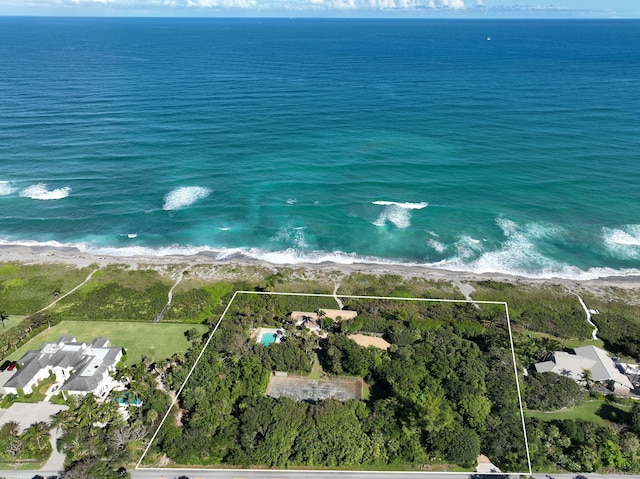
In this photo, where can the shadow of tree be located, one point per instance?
(613, 413)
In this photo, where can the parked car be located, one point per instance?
(5, 365)
(12, 366)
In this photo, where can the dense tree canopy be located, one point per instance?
(548, 391)
(431, 384)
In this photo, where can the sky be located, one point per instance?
(328, 8)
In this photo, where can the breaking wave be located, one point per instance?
(42, 192)
(184, 196)
(437, 245)
(407, 206)
(6, 188)
(293, 236)
(488, 262)
(520, 255)
(623, 242)
(396, 213)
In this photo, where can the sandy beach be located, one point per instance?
(207, 267)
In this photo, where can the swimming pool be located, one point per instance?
(267, 338)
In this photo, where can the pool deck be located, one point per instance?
(262, 331)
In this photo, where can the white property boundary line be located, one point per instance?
(264, 293)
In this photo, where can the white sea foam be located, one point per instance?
(292, 235)
(132, 235)
(294, 256)
(468, 247)
(398, 214)
(437, 245)
(399, 217)
(42, 192)
(623, 242)
(184, 196)
(6, 188)
(517, 255)
(292, 201)
(406, 206)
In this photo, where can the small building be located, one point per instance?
(602, 367)
(81, 368)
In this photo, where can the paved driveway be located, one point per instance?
(26, 414)
(4, 377)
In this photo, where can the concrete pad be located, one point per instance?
(4, 377)
(303, 389)
(26, 414)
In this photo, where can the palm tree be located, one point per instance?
(63, 420)
(587, 378)
(38, 431)
(88, 411)
(3, 316)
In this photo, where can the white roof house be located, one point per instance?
(602, 367)
(80, 367)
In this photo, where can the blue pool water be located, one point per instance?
(267, 338)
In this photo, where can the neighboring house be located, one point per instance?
(82, 368)
(603, 369)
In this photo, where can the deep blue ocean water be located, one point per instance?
(486, 145)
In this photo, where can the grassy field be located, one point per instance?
(566, 343)
(117, 292)
(597, 411)
(13, 320)
(158, 341)
(24, 289)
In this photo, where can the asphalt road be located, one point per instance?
(262, 474)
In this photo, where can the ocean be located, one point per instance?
(508, 146)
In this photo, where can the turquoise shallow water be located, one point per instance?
(503, 146)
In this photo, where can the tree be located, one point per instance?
(587, 378)
(464, 447)
(88, 411)
(549, 391)
(93, 468)
(38, 432)
(192, 334)
(3, 316)
(635, 418)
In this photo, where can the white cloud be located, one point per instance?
(372, 4)
(452, 4)
(256, 5)
(220, 3)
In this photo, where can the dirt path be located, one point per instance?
(73, 290)
(335, 295)
(159, 317)
(594, 334)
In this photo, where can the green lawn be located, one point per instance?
(158, 341)
(576, 343)
(596, 410)
(567, 343)
(13, 320)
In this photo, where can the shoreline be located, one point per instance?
(73, 256)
